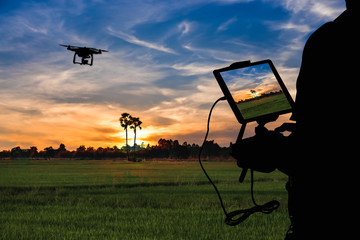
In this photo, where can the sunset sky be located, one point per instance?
(241, 82)
(158, 68)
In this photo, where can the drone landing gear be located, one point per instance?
(84, 59)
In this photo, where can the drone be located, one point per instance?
(86, 54)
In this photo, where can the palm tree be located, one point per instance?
(125, 121)
(136, 123)
(254, 93)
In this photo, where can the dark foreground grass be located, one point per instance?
(178, 208)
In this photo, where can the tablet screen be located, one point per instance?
(256, 91)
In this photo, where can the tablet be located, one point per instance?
(254, 90)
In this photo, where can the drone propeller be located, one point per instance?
(101, 50)
(95, 50)
(69, 47)
(73, 48)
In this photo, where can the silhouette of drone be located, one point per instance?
(84, 53)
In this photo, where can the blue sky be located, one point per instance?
(159, 65)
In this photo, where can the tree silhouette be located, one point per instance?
(125, 121)
(33, 151)
(254, 93)
(136, 123)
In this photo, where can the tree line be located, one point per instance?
(174, 150)
(164, 149)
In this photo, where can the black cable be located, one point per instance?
(201, 149)
(268, 207)
(239, 215)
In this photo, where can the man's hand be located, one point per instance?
(286, 127)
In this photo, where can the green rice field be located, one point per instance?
(263, 106)
(92, 199)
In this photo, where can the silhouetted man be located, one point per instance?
(321, 153)
(322, 164)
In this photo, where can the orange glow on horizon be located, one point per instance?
(84, 124)
(45, 123)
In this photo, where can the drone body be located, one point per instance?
(86, 54)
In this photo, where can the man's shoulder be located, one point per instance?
(323, 31)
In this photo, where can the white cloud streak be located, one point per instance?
(192, 69)
(226, 24)
(303, 28)
(134, 40)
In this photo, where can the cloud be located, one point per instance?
(321, 9)
(132, 39)
(189, 69)
(226, 24)
(73, 124)
(162, 121)
(325, 10)
(26, 111)
(184, 27)
(215, 54)
(303, 28)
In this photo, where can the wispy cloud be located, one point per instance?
(191, 69)
(226, 24)
(323, 9)
(303, 28)
(184, 27)
(134, 40)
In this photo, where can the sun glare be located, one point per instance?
(143, 137)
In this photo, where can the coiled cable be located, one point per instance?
(238, 216)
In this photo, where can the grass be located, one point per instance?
(121, 200)
(264, 105)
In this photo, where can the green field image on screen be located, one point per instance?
(256, 91)
(264, 105)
